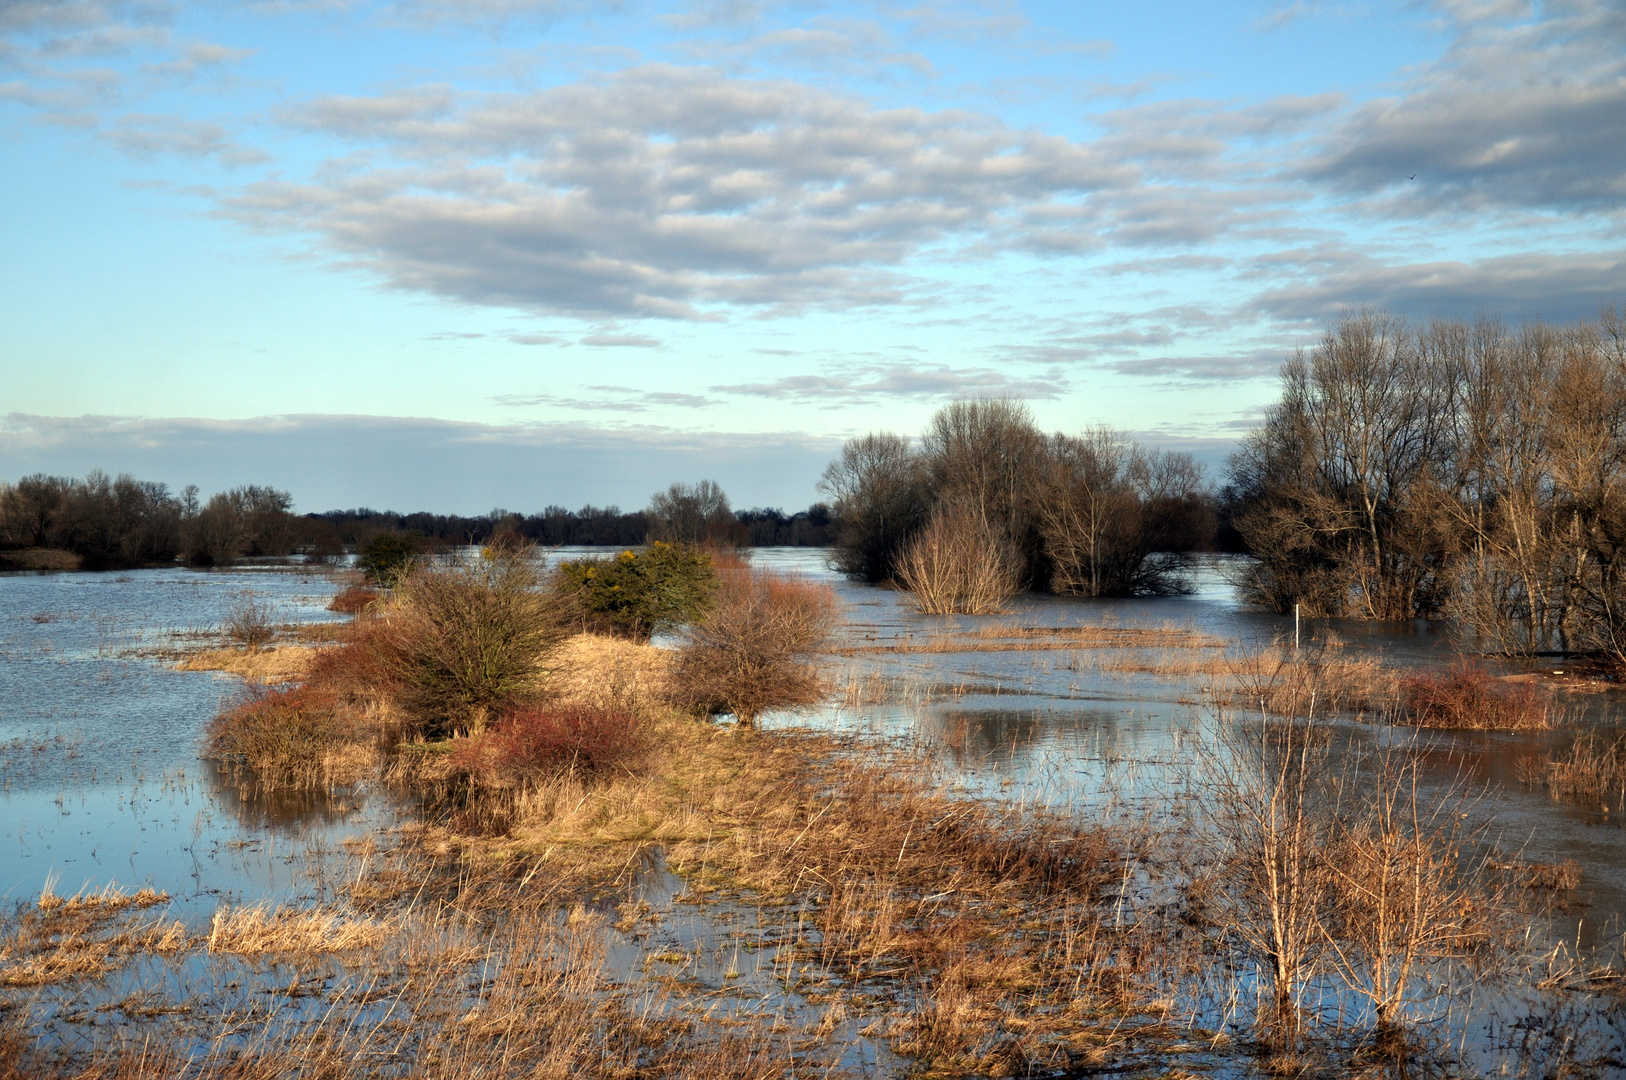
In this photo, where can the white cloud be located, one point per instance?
(672, 192)
(1522, 110)
(902, 381)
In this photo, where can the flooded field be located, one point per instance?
(1077, 707)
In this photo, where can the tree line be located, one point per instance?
(1450, 469)
(113, 522)
(122, 521)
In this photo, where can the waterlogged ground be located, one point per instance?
(100, 781)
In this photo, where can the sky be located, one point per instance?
(470, 254)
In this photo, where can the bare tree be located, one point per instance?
(1108, 512)
(880, 501)
(690, 514)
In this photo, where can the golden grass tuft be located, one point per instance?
(87, 935)
(259, 930)
(611, 673)
(278, 664)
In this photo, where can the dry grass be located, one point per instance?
(278, 664)
(1591, 772)
(1009, 637)
(1313, 682)
(611, 673)
(532, 997)
(1464, 697)
(260, 930)
(354, 599)
(82, 936)
(40, 559)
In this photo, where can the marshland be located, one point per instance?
(1010, 779)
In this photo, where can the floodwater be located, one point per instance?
(100, 780)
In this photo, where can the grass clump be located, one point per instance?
(353, 599)
(260, 930)
(638, 593)
(1592, 771)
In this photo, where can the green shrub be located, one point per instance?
(387, 557)
(468, 641)
(636, 593)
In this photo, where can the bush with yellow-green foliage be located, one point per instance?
(638, 593)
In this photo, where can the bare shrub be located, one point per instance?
(551, 739)
(465, 641)
(958, 564)
(249, 620)
(1466, 697)
(752, 652)
(1330, 859)
(1409, 889)
(1271, 821)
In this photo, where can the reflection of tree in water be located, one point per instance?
(974, 737)
(288, 810)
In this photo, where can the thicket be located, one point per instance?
(1089, 515)
(1451, 469)
(387, 557)
(638, 593)
(123, 521)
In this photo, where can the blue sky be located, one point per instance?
(501, 252)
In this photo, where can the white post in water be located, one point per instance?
(1295, 626)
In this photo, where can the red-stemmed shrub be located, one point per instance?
(1463, 696)
(353, 599)
(552, 739)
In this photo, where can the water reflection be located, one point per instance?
(289, 811)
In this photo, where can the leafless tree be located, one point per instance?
(691, 514)
(880, 501)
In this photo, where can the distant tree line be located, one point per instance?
(1093, 514)
(1451, 469)
(685, 513)
(121, 522)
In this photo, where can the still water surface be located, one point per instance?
(100, 780)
